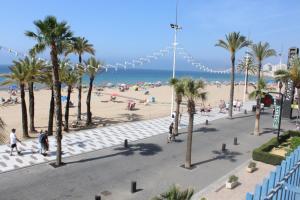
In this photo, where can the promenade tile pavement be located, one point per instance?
(99, 138)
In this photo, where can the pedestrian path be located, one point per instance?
(99, 138)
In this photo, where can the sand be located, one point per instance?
(105, 110)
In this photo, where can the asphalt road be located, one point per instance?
(153, 163)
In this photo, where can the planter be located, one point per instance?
(251, 169)
(231, 185)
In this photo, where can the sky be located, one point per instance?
(125, 29)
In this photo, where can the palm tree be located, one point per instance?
(79, 46)
(192, 92)
(34, 66)
(282, 76)
(53, 34)
(20, 75)
(260, 51)
(234, 42)
(92, 67)
(260, 90)
(70, 78)
(179, 91)
(174, 193)
(247, 66)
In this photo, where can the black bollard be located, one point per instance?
(97, 197)
(133, 186)
(245, 111)
(223, 147)
(126, 143)
(206, 122)
(235, 141)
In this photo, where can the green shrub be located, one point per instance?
(295, 142)
(233, 178)
(252, 165)
(262, 153)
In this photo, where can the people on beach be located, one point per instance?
(13, 142)
(234, 104)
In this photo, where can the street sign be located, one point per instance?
(276, 117)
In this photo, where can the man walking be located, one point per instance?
(13, 142)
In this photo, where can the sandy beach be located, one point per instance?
(106, 111)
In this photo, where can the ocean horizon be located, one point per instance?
(136, 75)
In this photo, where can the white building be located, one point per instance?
(269, 68)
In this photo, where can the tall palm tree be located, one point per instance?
(247, 65)
(192, 92)
(174, 193)
(53, 34)
(19, 74)
(260, 51)
(282, 76)
(79, 46)
(92, 68)
(34, 66)
(234, 42)
(179, 91)
(70, 77)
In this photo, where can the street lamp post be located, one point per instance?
(176, 27)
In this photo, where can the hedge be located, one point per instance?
(262, 153)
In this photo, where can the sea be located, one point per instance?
(138, 75)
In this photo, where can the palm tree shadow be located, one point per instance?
(143, 149)
(270, 130)
(220, 155)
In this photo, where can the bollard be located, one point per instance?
(133, 186)
(223, 147)
(235, 141)
(245, 111)
(206, 122)
(126, 143)
(97, 197)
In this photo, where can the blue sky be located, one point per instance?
(125, 29)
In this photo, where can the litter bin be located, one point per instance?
(253, 108)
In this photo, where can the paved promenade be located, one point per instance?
(95, 139)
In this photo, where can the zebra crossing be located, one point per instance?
(99, 138)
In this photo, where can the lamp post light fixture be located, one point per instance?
(176, 27)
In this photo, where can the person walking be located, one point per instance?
(171, 129)
(13, 142)
(42, 141)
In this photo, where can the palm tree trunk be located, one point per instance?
(247, 78)
(231, 86)
(57, 96)
(258, 100)
(79, 99)
(177, 117)
(188, 156)
(24, 112)
(51, 113)
(31, 107)
(88, 103)
(66, 127)
(79, 94)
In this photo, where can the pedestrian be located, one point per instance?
(239, 105)
(42, 141)
(13, 142)
(171, 129)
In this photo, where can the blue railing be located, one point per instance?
(283, 183)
